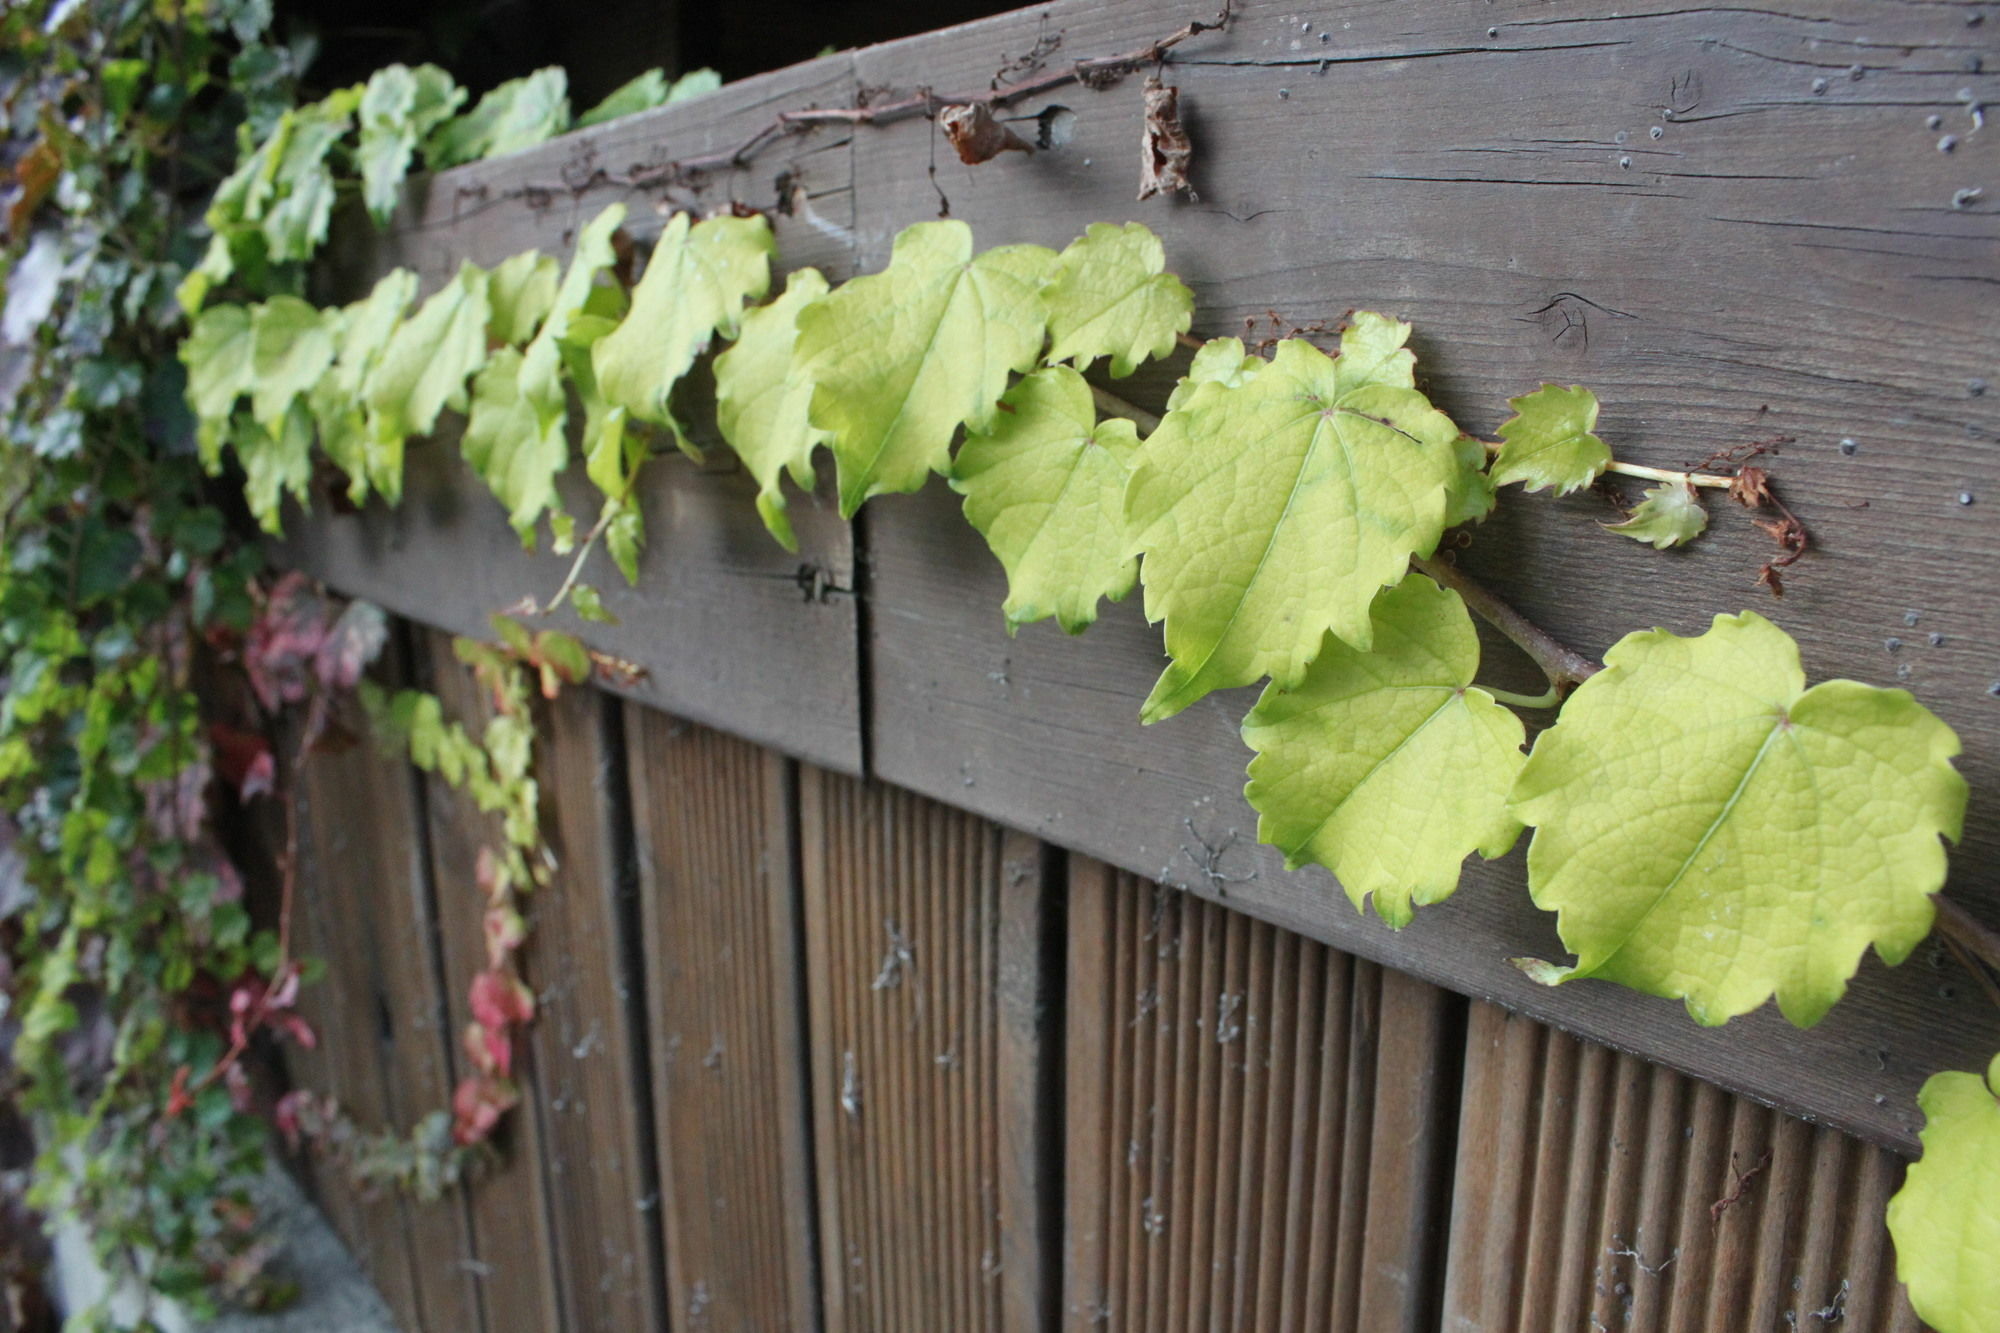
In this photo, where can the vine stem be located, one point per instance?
(1562, 665)
(1970, 938)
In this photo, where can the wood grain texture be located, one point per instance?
(589, 1072)
(910, 968)
(714, 819)
(732, 629)
(518, 1273)
(1710, 292)
(363, 905)
(1258, 1126)
(1733, 222)
(1587, 1185)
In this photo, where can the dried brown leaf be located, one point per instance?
(1165, 150)
(977, 136)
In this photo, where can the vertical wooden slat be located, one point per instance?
(712, 816)
(1277, 1124)
(586, 1073)
(508, 1202)
(1597, 1178)
(364, 905)
(925, 950)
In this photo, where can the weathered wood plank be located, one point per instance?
(1587, 1190)
(922, 955)
(509, 1205)
(1693, 211)
(1710, 291)
(1257, 1125)
(732, 629)
(364, 905)
(713, 821)
(588, 1074)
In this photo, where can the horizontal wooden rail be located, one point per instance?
(1734, 224)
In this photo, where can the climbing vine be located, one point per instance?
(1705, 825)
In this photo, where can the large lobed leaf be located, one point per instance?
(694, 287)
(1946, 1218)
(1272, 511)
(1388, 767)
(761, 401)
(1112, 297)
(1707, 828)
(1046, 487)
(901, 359)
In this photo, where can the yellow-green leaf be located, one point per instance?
(761, 401)
(1946, 1218)
(1548, 441)
(901, 359)
(694, 287)
(363, 332)
(1670, 514)
(521, 292)
(1389, 767)
(291, 347)
(509, 448)
(1112, 297)
(1709, 829)
(1046, 486)
(424, 368)
(1271, 512)
(1220, 361)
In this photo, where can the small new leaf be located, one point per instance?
(1046, 486)
(694, 288)
(1709, 829)
(1943, 1220)
(1548, 441)
(1388, 767)
(1111, 297)
(900, 359)
(1274, 511)
(761, 402)
(1670, 514)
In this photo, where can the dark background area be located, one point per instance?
(601, 43)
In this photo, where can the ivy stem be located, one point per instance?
(1971, 939)
(1562, 665)
(1548, 698)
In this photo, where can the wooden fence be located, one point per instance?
(928, 990)
(818, 1052)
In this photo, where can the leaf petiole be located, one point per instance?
(1548, 698)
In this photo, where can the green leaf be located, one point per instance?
(1274, 511)
(1111, 297)
(424, 368)
(761, 402)
(508, 447)
(291, 347)
(275, 462)
(1670, 514)
(1548, 441)
(400, 106)
(1709, 829)
(295, 222)
(694, 287)
(1471, 495)
(521, 291)
(1220, 361)
(541, 367)
(589, 605)
(1389, 767)
(649, 90)
(1046, 485)
(219, 353)
(1943, 1219)
(363, 332)
(518, 114)
(623, 539)
(900, 359)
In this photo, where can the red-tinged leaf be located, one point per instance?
(500, 1001)
(477, 1106)
(355, 640)
(505, 931)
(261, 779)
(565, 654)
(284, 642)
(491, 1051)
(236, 753)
